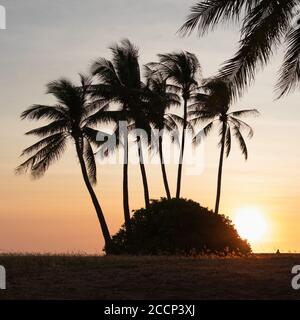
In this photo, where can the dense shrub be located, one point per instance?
(179, 226)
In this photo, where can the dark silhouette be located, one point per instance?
(120, 83)
(265, 26)
(183, 70)
(179, 227)
(121, 98)
(213, 105)
(68, 121)
(162, 96)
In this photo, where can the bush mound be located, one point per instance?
(179, 227)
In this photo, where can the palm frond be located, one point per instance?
(38, 112)
(95, 137)
(170, 122)
(104, 116)
(182, 68)
(125, 61)
(105, 71)
(40, 162)
(228, 141)
(180, 122)
(205, 15)
(51, 128)
(290, 70)
(203, 133)
(262, 31)
(242, 125)
(89, 159)
(42, 143)
(199, 116)
(245, 113)
(241, 141)
(86, 87)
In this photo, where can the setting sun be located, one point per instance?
(250, 224)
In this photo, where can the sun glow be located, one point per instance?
(251, 224)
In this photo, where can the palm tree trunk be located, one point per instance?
(125, 187)
(143, 172)
(181, 151)
(100, 215)
(163, 169)
(219, 184)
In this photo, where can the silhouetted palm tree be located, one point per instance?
(213, 105)
(67, 122)
(120, 83)
(266, 24)
(183, 70)
(162, 97)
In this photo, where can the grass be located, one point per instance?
(261, 276)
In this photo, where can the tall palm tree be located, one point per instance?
(120, 84)
(265, 25)
(183, 70)
(67, 122)
(213, 105)
(162, 97)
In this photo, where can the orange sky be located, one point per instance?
(55, 214)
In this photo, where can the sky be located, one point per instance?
(45, 40)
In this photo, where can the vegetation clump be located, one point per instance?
(179, 227)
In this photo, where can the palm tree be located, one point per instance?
(120, 84)
(266, 25)
(183, 70)
(213, 105)
(162, 97)
(67, 122)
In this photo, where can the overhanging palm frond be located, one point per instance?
(262, 31)
(290, 70)
(205, 15)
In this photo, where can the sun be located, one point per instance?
(251, 224)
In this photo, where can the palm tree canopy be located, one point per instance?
(265, 25)
(120, 83)
(181, 68)
(68, 119)
(161, 97)
(213, 106)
